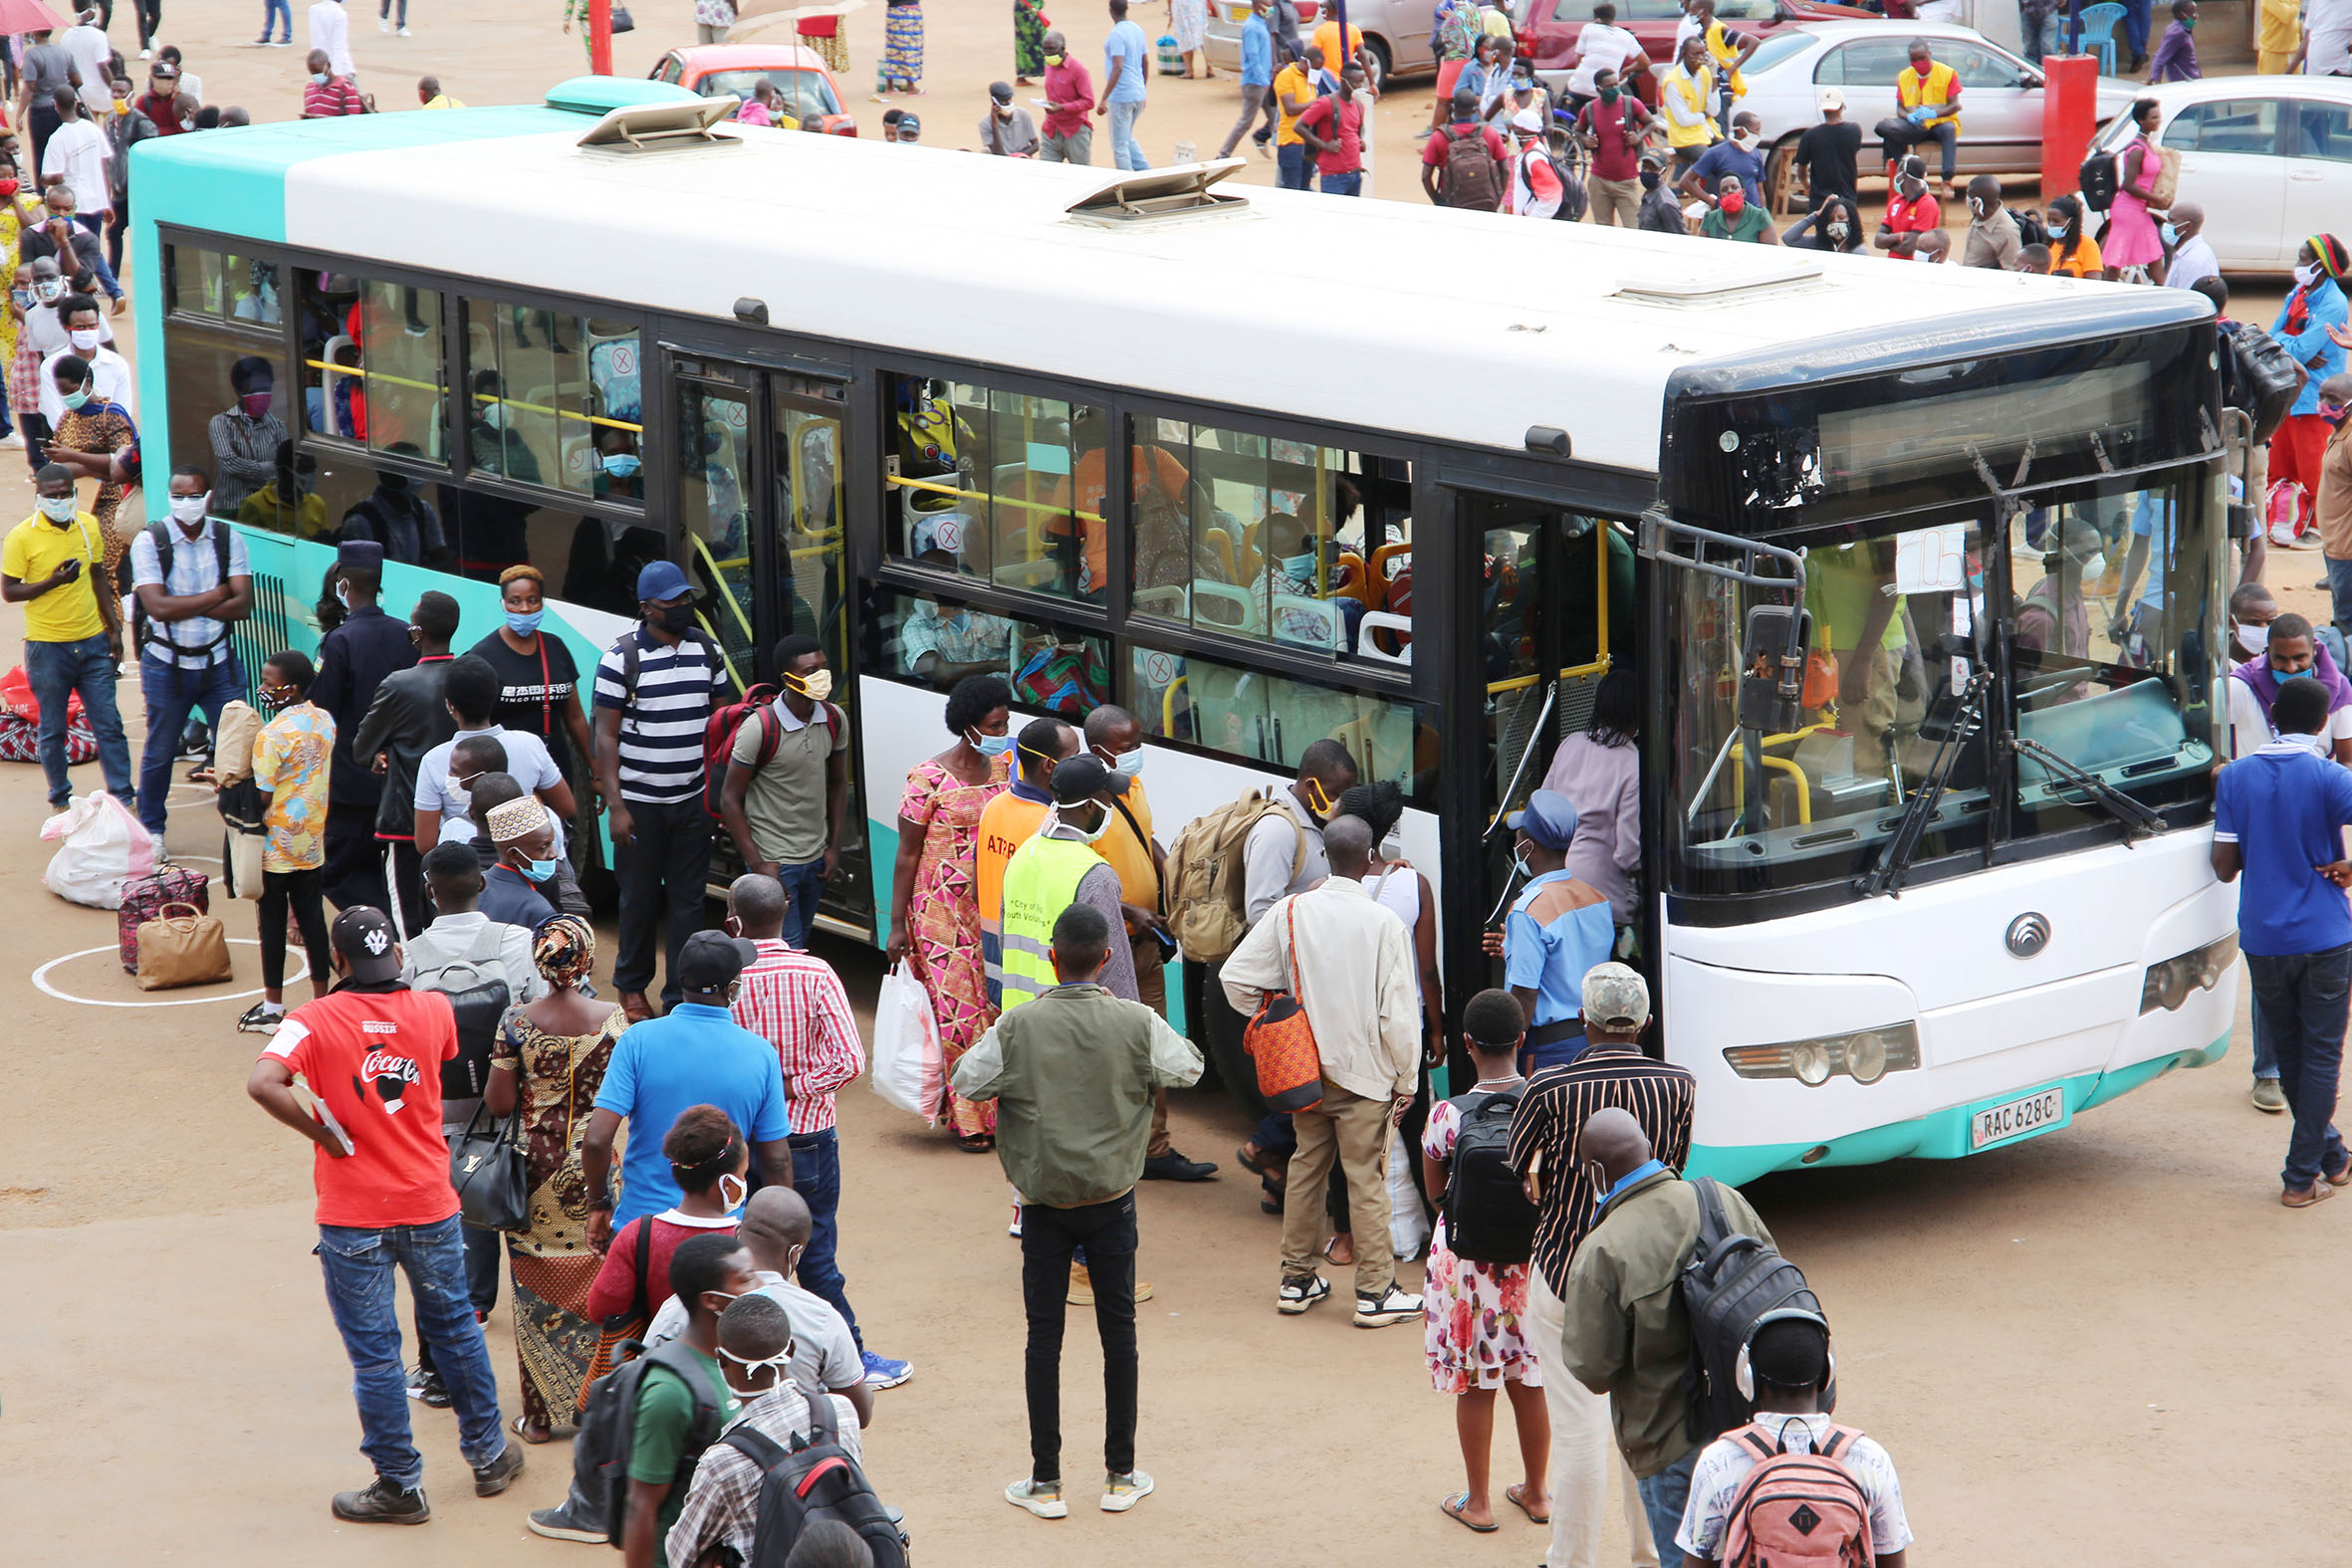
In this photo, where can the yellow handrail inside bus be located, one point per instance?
(363, 373)
(1168, 710)
(1804, 785)
(712, 632)
(719, 582)
(938, 489)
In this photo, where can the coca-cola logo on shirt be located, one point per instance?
(392, 1075)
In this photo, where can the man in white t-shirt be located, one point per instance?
(92, 56)
(331, 31)
(2290, 650)
(1789, 1357)
(1604, 46)
(471, 690)
(77, 153)
(2193, 253)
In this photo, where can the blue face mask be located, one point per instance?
(620, 465)
(991, 744)
(538, 870)
(524, 626)
(2172, 236)
(1300, 566)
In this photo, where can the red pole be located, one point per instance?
(601, 37)
(2069, 118)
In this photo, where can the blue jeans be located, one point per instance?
(816, 1177)
(1348, 184)
(2135, 15)
(806, 884)
(172, 693)
(1124, 154)
(1292, 171)
(359, 1265)
(2039, 40)
(1664, 1496)
(2300, 999)
(57, 671)
(277, 10)
(2339, 592)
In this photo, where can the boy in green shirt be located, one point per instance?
(707, 1272)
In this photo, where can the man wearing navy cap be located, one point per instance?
(1558, 929)
(655, 689)
(354, 659)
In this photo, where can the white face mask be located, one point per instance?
(1127, 764)
(191, 509)
(2308, 275)
(2253, 639)
(83, 337)
(1081, 834)
(452, 785)
(732, 1201)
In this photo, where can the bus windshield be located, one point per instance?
(2107, 598)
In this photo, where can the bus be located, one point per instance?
(1918, 570)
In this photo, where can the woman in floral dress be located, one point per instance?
(1474, 1313)
(550, 1060)
(1030, 23)
(934, 908)
(96, 440)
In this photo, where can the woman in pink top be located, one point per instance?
(2131, 240)
(1600, 770)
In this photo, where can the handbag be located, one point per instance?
(623, 22)
(189, 948)
(492, 1179)
(1820, 682)
(1280, 1041)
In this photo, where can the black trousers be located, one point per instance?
(407, 880)
(354, 873)
(298, 891)
(664, 871)
(1048, 1236)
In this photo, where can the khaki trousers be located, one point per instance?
(1583, 1450)
(1353, 1131)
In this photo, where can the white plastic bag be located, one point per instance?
(908, 1069)
(1408, 1221)
(100, 846)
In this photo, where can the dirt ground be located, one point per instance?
(2079, 1350)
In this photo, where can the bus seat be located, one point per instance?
(1294, 609)
(1173, 603)
(1394, 629)
(1355, 582)
(1389, 564)
(1038, 573)
(1302, 715)
(1250, 620)
(1220, 545)
(948, 530)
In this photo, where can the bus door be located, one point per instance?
(761, 501)
(1555, 608)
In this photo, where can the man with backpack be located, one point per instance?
(1536, 184)
(1466, 165)
(787, 784)
(655, 689)
(1626, 1331)
(1332, 127)
(1749, 1484)
(1556, 1103)
(1611, 127)
(193, 583)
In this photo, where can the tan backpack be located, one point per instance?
(1206, 881)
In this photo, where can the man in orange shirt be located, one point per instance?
(1009, 822)
(1162, 546)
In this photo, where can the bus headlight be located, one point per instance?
(2170, 983)
(1865, 1056)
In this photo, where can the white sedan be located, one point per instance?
(1999, 99)
(2269, 158)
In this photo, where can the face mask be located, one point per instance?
(2187, 24)
(989, 744)
(1127, 764)
(191, 509)
(83, 337)
(1649, 179)
(1975, 206)
(1300, 566)
(275, 698)
(2253, 639)
(735, 1199)
(622, 465)
(257, 404)
(524, 626)
(494, 417)
(1743, 138)
(1318, 799)
(2333, 413)
(1608, 95)
(7, 188)
(1055, 60)
(49, 289)
(544, 871)
(747, 1386)
(77, 397)
(452, 785)
(1519, 860)
(1084, 835)
(121, 105)
(2308, 276)
(1734, 202)
(1837, 233)
(817, 685)
(57, 509)
(319, 76)
(2172, 236)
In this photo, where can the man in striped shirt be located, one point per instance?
(655, 689)
(795, 1001)
(1610, 1071)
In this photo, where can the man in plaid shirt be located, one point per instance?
(795, 1001)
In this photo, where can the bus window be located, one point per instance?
(1053, 669)
(555, 399)
(228, 396)
(372, 370)
(1271, 719)
(1008, 485)
(223, 287)
(808, 523)
(714, 458)
(396, 510)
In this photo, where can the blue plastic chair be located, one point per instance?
(2099, 22)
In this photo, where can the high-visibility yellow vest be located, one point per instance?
(1041, 881)
(1911, 92)
(1723, 50)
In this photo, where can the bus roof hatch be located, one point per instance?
(1161, 193)
(655, 127)
(1732, 280)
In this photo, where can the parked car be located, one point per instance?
(1548, 30)
(2000, 103)
(1396, 34)
(731, 69)
(2269, 158)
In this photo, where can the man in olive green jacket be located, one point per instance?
(1627, 1333)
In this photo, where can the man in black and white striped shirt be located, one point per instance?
(655, 689)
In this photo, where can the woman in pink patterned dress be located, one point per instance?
(1473, 1313)
(934, 913)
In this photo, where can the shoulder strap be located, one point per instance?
(824, 1425)
(1137, 829)
(756, 1446)
(1714, 1223)
(1754, 1441)
(640, 1307)
(161, 534)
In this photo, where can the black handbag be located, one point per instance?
(623, 22)
(492, 1178)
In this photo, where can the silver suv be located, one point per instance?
(1396, 34)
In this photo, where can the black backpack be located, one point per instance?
(1729, 1281)
(2098, 178)
(146, 631)
(1488, 1216)
(2260, 377)
(476, 987)
(608, 1429)
(815, 1478)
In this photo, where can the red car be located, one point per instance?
(1548, 30)
(732, 70)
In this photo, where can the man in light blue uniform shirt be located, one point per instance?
(1126, 68)
(1558, 928)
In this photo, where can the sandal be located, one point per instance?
(519, 1427)
(975, 1143)
(1451, 1509)
(2304, 1198)
(1519, 1499)
(202, 774)
(1331, 1251)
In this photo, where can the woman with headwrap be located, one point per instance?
(2313, 307)
(550, 1060)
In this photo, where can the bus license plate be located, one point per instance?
(2017, 1118)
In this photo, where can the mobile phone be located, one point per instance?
(73, 568)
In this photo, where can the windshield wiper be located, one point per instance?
(2140, 820)
(1887, 876)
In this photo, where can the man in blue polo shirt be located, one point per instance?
(2279, 816)
(697, 1055)
(1558, 928)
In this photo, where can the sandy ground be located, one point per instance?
(2079, 1350)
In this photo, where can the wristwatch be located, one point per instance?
(600, 1203)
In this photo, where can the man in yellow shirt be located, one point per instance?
(1293, 90)
(54, 563)
(430, 93)
(1928, 97)
(1115, 738)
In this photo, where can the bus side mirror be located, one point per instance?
(1773, 661)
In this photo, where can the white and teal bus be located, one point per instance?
(1925, 787)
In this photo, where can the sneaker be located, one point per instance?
(383, 1504)
(883, 1373)
(13, 441)
(403, 32)
(1082, 1288)
(1174, 1167)
(556, 1526)
(1121, 1492)
(1042, 1498)
(426, 1388)
(146, 53)
(1393, 1305)
(1298, 1294)
(2266, 1096)
(1014, 1230)
(260, 1019)
(494, 1477)
(384, 24)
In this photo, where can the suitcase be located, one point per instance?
(144, 899)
